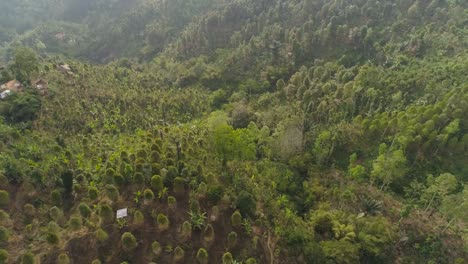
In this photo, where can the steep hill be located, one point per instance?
(263, 131)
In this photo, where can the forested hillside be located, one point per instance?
(266, 131)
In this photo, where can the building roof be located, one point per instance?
(13, 85)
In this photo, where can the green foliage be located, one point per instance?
(106, 213)
(305, 93)
(63, 259)
(52, 238)
(163, 222)
(186, 229)
(251, 261)
(101, 235)
(20, 107)
(232, 239)
(197, 219)
(215, 193)
(157, 183)
(172, 202)
(55, 213)
(341, 251)
(28, 258)
(389, 166)
(233, 143)
(179, 254)
(202, 256)
(56, 197)
(3, 256)
(138, 218)
(227, 258)
(246, 203)
(236, 219)
(119, 179)
(156, 248)
(148, 195)
(4, 198)
(375, 235)
(93, 193)
(4, 235)
(208, 234)
(75, 222)
(84, 209)
(128, 241)
(112, 192)
(25, 64)
(179, 185)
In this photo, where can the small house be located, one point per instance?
(42, 86)
(13, 86)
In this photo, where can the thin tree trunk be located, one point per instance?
(448, 225)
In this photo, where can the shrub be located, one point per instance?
(128, 241)
(63, 259)
(214, 213)
(232, 239)
(194, 206)
(141, 154)
(215, 193)
(55, 213)
(112, 192)
(163, 222)
(96, 261)
(138, 178)
(53, 227)
(157, 183)
(197, 219)
(251, 261)
(4, 198)
(208, 233)
(75, 222)
(172, 202)
(3, 181)
(119, 179)
(202, 256)
(179, 254)
(93, 193)
(155, 157)
(179, 185)
(84, 209)
(148, 195)
(155, 168)
(56, 197)
(227, 258)
(4, 235)
(156, 248)
(186, 229)
(4, 216)
(106, 213)
(202, 189)
(246, 203)
(52, 238)
(3, 256)
(138, 218)
(171, 174)
(28, 258)
(101, 235)
(29, 210)
(236, 219)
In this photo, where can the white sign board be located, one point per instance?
(121, 213)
